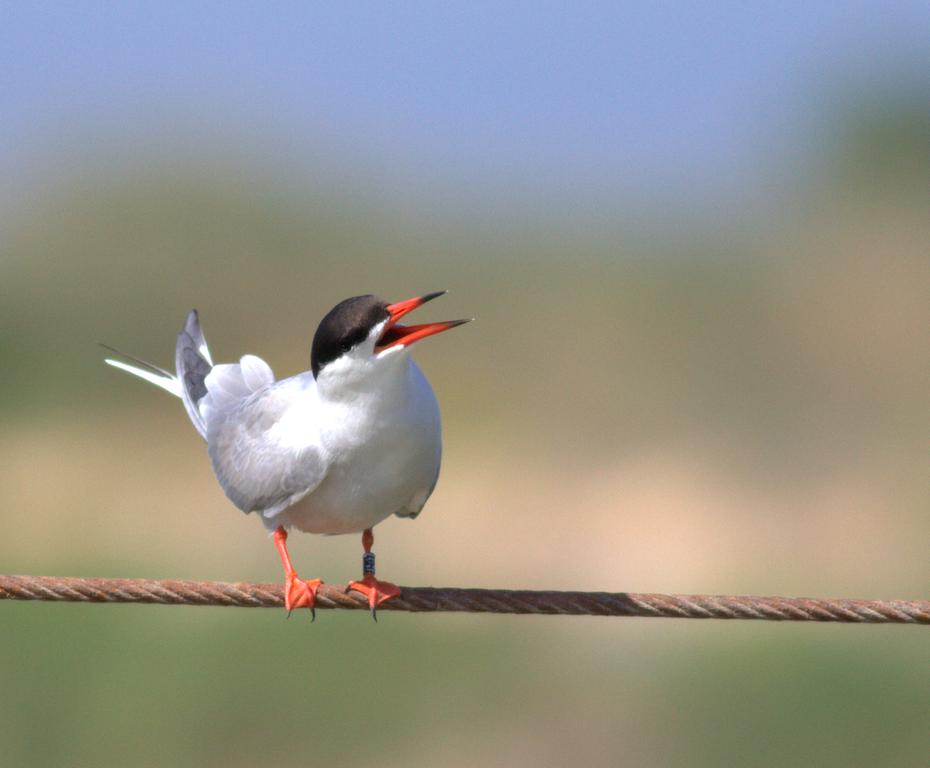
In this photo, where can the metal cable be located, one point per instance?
(420, 599)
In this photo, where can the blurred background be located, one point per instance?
(696, 239)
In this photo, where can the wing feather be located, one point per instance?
(251, 437)
(193, 363)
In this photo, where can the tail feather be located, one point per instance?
(193, 363)
(150, 373)
(144, 364)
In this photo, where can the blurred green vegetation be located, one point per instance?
(730, 409)
(150, 687)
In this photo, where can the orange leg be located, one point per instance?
(298, 593)
(377, 591)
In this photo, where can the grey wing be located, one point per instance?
(258, 470)
(193, 365)
(416, 504)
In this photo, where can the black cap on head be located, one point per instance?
(345, 325)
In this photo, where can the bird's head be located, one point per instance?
(363, 335)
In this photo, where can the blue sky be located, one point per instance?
(663, 101)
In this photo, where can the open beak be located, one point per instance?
(396, 335)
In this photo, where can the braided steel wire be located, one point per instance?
(423, 599)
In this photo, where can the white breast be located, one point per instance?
(385, 447)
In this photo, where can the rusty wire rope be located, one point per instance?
(420, 599)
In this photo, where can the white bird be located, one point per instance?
(334, 450)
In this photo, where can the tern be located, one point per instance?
(333, 450)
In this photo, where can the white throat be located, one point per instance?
(360, 374)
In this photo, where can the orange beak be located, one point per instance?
(396, 335)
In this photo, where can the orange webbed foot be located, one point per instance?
(300, 593)
(377, 591)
